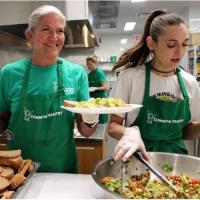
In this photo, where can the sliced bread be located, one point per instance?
(7, 195)
(7, 172)
(15, 163)
(10, 154)
(4, 183)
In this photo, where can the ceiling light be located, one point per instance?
(124, 41)
(121, 49)
(135, 1)
(129, 26)
(194, 19)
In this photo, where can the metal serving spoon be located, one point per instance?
(161, 177)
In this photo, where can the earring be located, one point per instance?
(29, 44)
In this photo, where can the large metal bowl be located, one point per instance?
(181, 164)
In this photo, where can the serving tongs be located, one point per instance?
(123, 174)
(179, 193)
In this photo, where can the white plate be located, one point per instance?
(104, 110)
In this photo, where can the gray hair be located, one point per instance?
(41, 11)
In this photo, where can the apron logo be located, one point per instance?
(28, 115)
(69, 90)
(152, 118)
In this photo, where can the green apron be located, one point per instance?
(42, 130)
(95, 82)
(161, 122)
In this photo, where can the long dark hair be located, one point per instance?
(154, 26)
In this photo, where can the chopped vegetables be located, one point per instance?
(142, 187)
(168, 167)
(101, 102)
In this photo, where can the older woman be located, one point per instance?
(32, 90)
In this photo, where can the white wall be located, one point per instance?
(13, 12)
(110, 45)
(194, 13)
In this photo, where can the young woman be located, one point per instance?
(97, 83)
(32, 91)
(169, 95)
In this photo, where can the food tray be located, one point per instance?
(22, 187)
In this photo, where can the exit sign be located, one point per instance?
(137, 37)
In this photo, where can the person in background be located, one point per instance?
(98, 86)
(170, 96)
(32, 91)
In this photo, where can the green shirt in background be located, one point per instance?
(96, 78)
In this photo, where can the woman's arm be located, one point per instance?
(191, 131)
(83, 128)
(4, 119)
(115, 128)
(104, 86)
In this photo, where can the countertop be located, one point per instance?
(57, 185)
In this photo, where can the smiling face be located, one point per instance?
(47, 38)
(170, 47)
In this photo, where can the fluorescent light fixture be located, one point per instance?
(129, 26)
(135, 1)
(194, 19)
(121, 49)
(124, 41)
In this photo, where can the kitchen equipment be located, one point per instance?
(123, 176)
(160, 176)
(181, 163)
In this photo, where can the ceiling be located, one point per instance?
(109, 17)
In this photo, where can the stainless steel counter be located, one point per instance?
(66, 186)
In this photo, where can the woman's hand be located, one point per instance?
(129, 143)
(92, 89)
(90, 118)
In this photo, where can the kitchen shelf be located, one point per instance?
(193, 65)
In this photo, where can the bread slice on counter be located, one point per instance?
(7, 195)
(14, 163)
(4, 183)
(7, 172)
(10, 154)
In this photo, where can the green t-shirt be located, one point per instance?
(42, 81)
(96, 78)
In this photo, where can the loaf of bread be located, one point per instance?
(10, 154)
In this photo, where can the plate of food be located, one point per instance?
(100, 106)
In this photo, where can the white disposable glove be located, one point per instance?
(90, 118)
(129, 143)
(92, 89)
